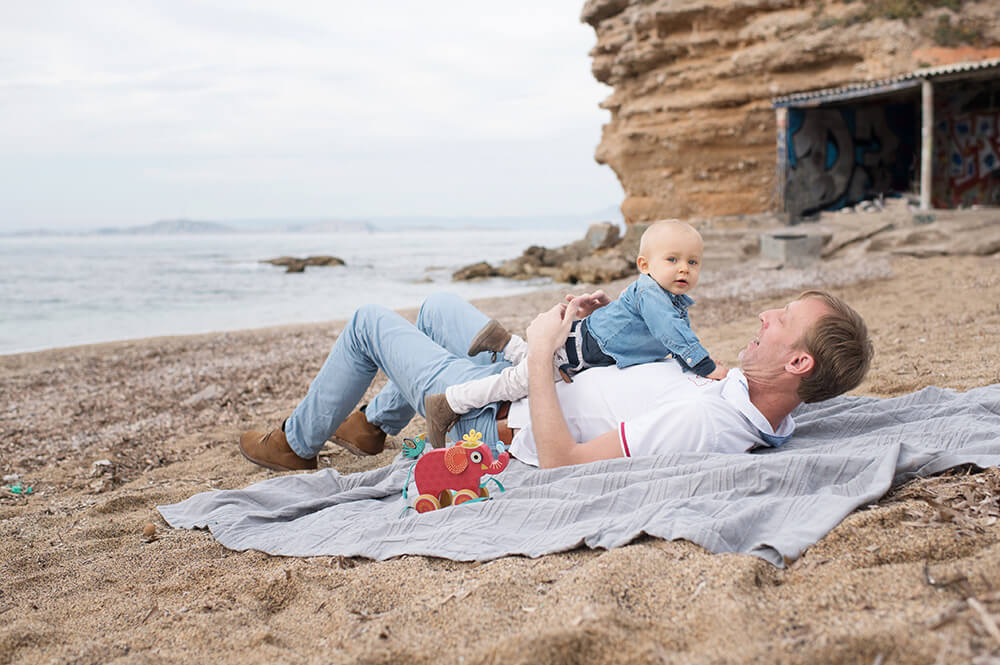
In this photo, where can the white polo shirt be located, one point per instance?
(656, 408)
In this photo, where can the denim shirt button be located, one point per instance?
(689, 361)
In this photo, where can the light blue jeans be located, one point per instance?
(419, 360)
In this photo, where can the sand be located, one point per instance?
(105, 433)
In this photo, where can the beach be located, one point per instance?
(105, 433)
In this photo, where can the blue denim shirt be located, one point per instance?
(644, 324)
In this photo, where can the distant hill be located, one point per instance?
(258, 226)
(170, 226)
(333, 225)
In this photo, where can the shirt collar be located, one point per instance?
(736, 391)
(683, 300)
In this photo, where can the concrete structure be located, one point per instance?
(792, 250)
(934, 130)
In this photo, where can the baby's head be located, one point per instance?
(670, 253)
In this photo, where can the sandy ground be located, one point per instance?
(105, 433)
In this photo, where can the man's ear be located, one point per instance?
(642, 264)
(801, 364)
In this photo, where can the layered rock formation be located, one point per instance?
(692, 130)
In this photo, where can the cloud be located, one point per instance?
(195, 92)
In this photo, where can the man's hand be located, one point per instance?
(719, 372)
(588, 303)
(550, 328)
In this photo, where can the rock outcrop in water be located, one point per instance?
(692, 131)
(295, 264)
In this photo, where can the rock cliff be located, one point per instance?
(692, 131)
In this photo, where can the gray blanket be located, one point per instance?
(847, 453)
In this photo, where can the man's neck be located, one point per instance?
(773, 400)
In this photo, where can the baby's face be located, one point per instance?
(673, 259)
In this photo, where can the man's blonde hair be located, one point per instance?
(840, 347)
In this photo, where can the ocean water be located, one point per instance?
(60, 291)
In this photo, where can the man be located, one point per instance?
(813, 349)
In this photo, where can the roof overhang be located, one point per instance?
(890, 86)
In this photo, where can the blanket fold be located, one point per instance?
(847, 452)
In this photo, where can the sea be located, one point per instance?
(65, 290)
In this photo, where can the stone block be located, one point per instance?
(791, 249)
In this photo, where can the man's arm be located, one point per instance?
(555, 445)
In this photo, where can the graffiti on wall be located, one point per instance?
(967, 156)
(838, 157)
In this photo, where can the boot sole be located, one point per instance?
(351, 448)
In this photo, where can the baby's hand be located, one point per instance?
(587, 303)
(719, 372)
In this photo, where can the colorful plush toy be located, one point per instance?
(446, 476)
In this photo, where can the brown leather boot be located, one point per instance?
(359, 436)
(492, 337)
(440, 418)
(272, 451)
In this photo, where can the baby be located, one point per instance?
(647, 322)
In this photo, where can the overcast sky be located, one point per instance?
(126, 112)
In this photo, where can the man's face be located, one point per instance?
(781, 330)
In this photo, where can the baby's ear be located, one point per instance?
(642, 264)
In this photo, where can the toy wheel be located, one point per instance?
(483, 492)
(426, 503)
(445, 498)
(461, 496)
